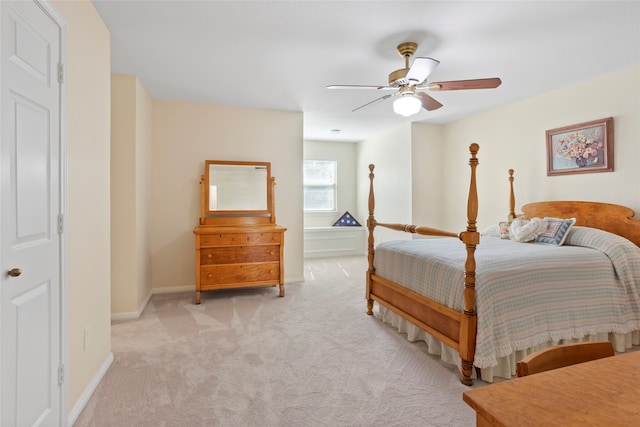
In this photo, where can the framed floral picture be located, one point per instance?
(582, 148)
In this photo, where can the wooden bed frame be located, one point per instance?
(455, 328)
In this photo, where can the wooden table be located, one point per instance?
(604, 392)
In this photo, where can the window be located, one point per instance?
(319, 185)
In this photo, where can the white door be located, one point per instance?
(30, 276)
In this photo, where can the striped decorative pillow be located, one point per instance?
(556, 232)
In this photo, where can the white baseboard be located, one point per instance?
(91, 388)
(132, 314)
(173, 289)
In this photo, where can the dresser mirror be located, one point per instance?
(237, 187)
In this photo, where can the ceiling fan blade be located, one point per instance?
(375, 100)
(359, 87)
(421, 69)
(428, 103)
(466, 84)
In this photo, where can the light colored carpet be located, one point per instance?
(249, 358)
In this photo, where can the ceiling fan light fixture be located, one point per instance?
(407, 105)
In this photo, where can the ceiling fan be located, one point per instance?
(410, 81)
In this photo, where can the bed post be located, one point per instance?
(470, 238)
(512, 197)
(371, 223)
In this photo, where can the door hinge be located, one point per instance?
(60, 73)
(60, 224)
(60, 374)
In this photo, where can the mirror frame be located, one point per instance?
(206, 185)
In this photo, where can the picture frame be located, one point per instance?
(582, 148)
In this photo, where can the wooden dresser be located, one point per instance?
(237, 248)
(235, 257)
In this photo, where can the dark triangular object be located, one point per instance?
(347, 220)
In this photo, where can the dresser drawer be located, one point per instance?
(220, 239)
(239, 254)
(241, 273)
(260, 237)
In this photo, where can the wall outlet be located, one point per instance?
(87, 337)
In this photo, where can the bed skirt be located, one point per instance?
(506, 367)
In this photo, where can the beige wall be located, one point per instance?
(509, 137)
(514, 137)
(184, 136)
(130, 195)
(427, 174)
(345, 156)
(88, 206)
(123, 194)
(411, 152)
(391, 155)
(144, 114)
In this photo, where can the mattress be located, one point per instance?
(527, 294)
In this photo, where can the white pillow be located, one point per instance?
(492, 231)
(522, 230)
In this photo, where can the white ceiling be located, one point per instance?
(282, 54)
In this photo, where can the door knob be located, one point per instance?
(14, 272)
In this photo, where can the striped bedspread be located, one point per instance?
(526, 293)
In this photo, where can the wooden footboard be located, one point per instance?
(454, 328)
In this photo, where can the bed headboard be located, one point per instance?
(615, 219)
(612, 218)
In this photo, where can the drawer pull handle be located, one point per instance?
(209, 256)
(209, 276)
